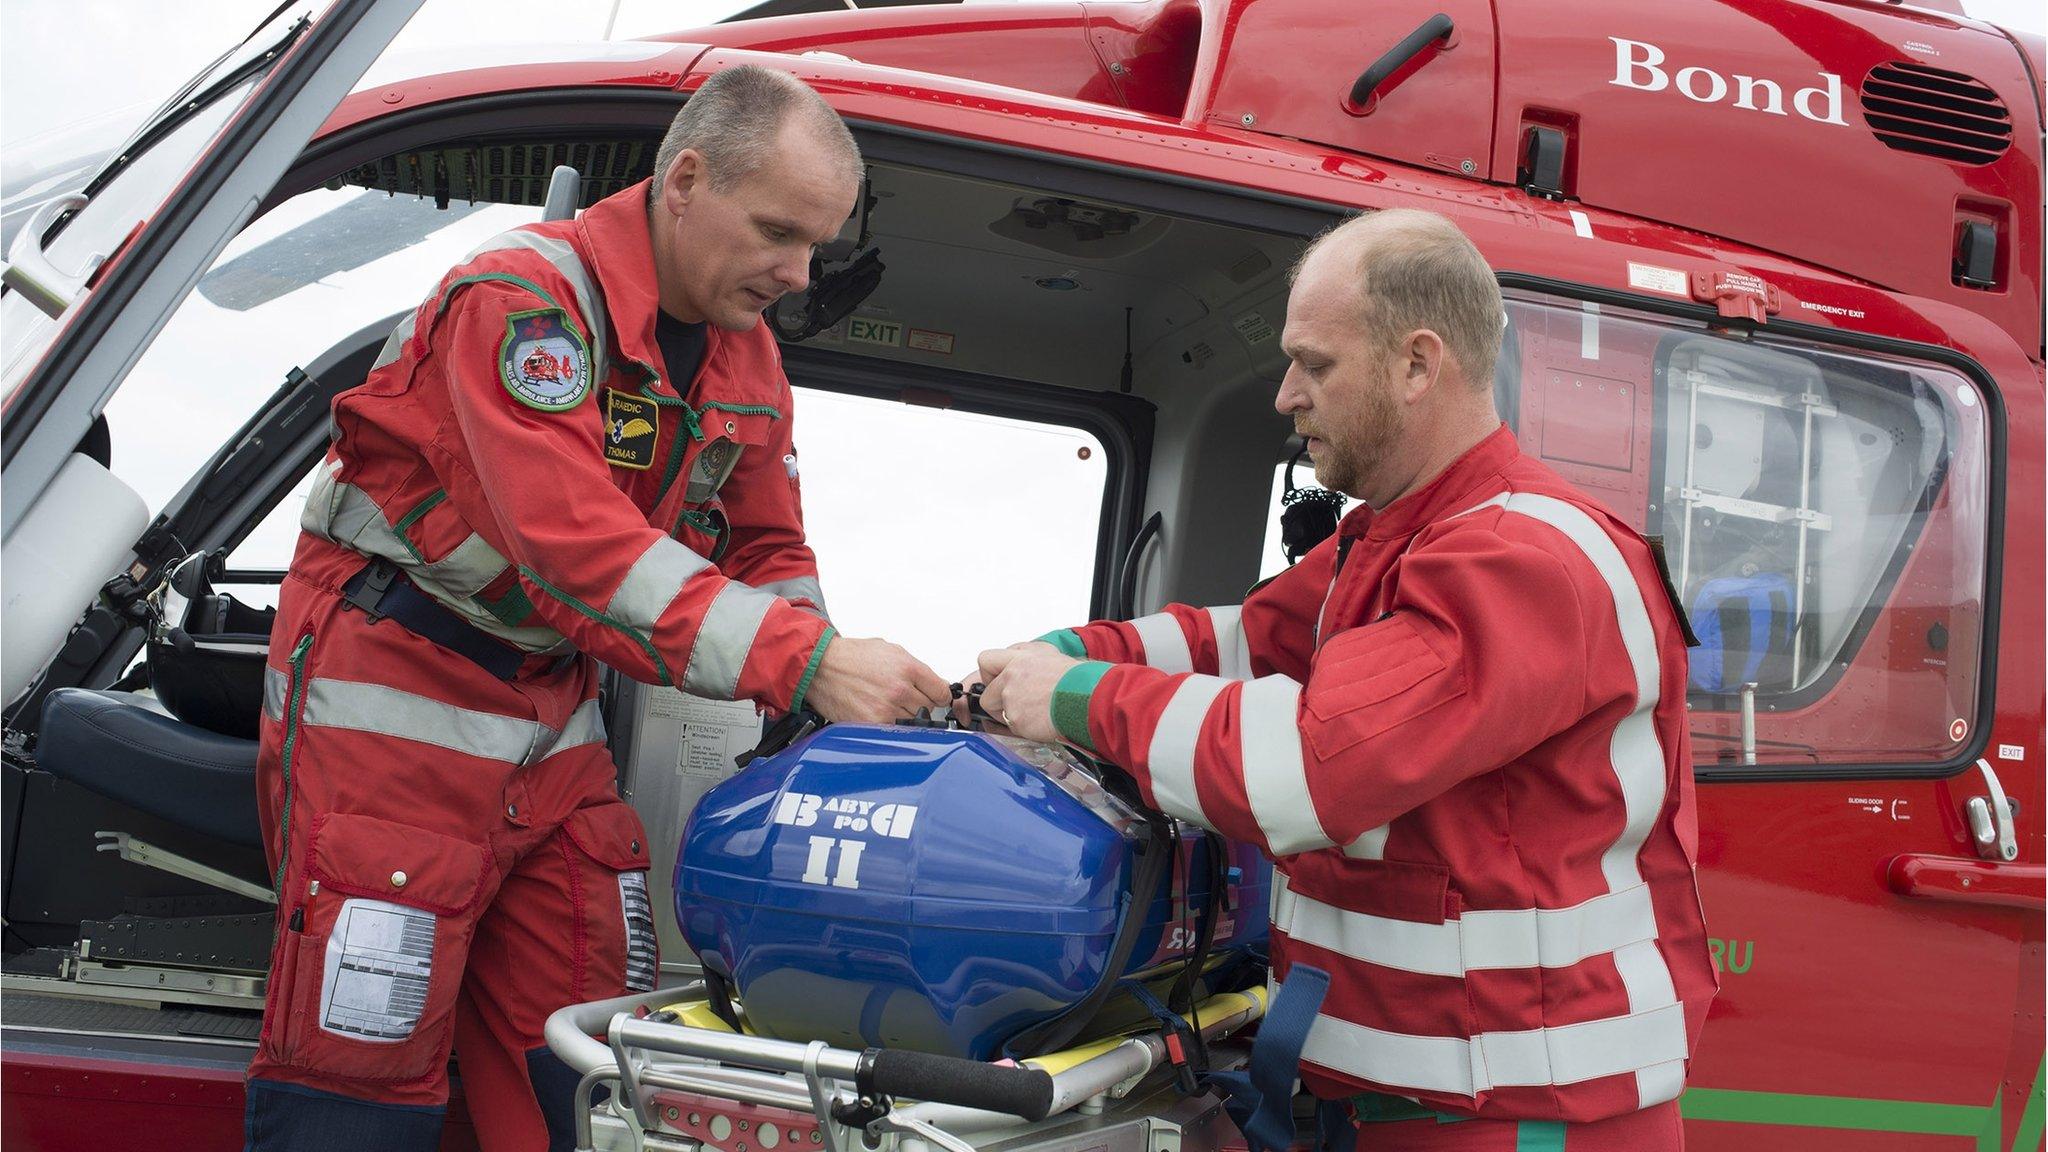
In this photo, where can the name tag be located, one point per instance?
(631, 426)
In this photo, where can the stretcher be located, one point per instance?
(670, 1075)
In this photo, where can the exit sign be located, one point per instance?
(884, 332)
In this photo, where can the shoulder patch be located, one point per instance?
(543, 360)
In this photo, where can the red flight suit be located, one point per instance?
(453, 859)
(1459, 729)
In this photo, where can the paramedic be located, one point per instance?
(1458, 728)
(576, 449)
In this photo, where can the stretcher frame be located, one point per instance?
(679, 1086)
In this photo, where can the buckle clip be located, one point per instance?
(368, 595)
(1179, 1039)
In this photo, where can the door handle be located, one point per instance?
(1995, 879)
(1991, 819)
(1967, 881)
(29, 270)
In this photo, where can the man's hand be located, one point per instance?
(867, 681)
(974, 676)
(1020, 683)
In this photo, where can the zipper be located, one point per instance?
(295, 704)
(676, 445)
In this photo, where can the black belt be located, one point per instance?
(383, 592)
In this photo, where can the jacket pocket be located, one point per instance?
(1371, 679)
(377, 967)
(619, 913)
(704, 530)
(738, 421)
(1390, 889)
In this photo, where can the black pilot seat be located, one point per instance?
(123, 746)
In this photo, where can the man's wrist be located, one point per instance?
(1071, 698)
(1067, 641)
(810, 673)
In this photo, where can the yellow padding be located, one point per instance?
(698, 1014)
(1055, 1063)
(1215, 1007)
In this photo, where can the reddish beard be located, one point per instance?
(1354, 450)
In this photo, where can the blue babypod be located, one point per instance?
(1726, 663)
(937, 889)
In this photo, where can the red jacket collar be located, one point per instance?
(1465, 483)
(619, 250)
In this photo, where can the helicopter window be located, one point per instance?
(1823, 512)
(946, 530)
(308, 274)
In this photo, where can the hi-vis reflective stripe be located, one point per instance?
(719, 653)
(1275, 776)
(348, 516)
(589, 300)
(1233, 656)
(1171, 758)
(798, 588)
(385, 711)
(653, 583)
(1269, 750)
(1637, 756)
(394, 345)
(1486, 938)
(1537, 1057)
(1372, 845)
(1166, 646)
(725, 635)
(276, 685)
(556, 252)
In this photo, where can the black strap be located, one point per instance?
(1155, 862)
(718, 994)
(1656, 544)
(382, 592)
(1181, 998)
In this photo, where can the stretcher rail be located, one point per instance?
(847, 1090)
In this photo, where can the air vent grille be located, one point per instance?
(507, 173)
(1915, 108)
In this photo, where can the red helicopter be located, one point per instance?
(1774, 281)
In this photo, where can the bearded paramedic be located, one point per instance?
(1458, 727)
(578, 448)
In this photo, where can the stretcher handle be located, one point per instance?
(1006, 1088)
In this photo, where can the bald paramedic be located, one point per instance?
(1457, 727)
(577, 449)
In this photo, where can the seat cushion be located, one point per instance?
(121, 746)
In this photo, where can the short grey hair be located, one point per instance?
(1417, 270)
(734, 119)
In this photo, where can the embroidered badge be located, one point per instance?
(543, 361)
(715, 461)
(631, 426)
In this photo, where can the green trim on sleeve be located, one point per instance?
(403, 528)
(803, 683)
(646, 643)
(1070, 699)
(512, 609)
(448, 292)
(1068, 642)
